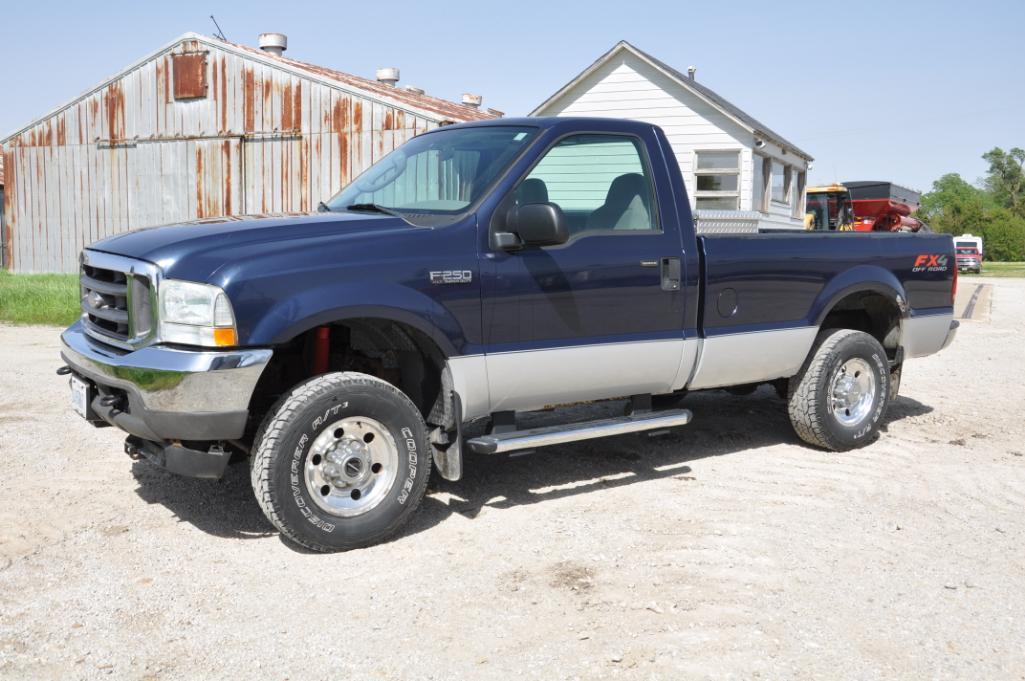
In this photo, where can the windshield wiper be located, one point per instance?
(374, 208)
(323, 208)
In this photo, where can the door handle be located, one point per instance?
(671, 274)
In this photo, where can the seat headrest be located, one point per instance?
(625, 188)
(531, 190)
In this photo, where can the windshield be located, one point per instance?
(828, 210)
(432, 179)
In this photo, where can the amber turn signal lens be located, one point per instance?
(225, 337)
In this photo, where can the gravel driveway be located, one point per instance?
(724, 550)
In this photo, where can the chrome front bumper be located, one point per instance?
(160, 393)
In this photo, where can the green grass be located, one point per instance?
(39, 298)
(1003, 269)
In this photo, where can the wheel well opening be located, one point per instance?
(392, 351)
(871, 312)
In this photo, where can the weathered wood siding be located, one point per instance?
(130, 155)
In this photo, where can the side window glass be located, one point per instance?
(601, 183)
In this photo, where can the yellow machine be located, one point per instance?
(829, 209)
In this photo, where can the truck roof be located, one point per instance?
(568, 122)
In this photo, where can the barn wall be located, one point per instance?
(130, 155)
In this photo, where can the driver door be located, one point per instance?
(600, 316)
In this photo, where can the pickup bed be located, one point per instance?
(477, 272)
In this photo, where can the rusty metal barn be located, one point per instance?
(200, 128)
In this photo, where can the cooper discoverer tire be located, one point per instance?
(838, 398)
(341, 461)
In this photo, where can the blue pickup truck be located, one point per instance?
(481, 271)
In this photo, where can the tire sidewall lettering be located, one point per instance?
(297, 483)
(411, 462)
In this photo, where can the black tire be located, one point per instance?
(811, 400)
(288, 434)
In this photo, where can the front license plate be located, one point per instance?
(80, 396)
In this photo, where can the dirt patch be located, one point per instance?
(571, 576)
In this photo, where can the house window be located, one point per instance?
(779, 183)
(717, 180)
(762, 171)
(797, 192)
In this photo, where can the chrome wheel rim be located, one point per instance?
(852, 391)
(351, 466)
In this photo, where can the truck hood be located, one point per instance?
(214, 241)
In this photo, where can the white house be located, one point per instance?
(740, 175)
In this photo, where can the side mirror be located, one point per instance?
(535, 224)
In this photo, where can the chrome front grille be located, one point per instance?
(117, 299)
(105, 302)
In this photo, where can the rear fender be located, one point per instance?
(859, 279)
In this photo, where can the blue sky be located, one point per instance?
(900, 90)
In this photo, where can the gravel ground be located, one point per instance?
(725, 550)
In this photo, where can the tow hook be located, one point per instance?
(116, 403)
(132, 450)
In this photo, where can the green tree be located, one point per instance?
(1006, 178)
(955, 206)
(1003, 234)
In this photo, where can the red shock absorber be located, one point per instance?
(321, 350)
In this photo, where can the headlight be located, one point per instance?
(195, 314)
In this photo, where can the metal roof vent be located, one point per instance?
(470, 99)
(388, 76)
(415, 90)
(691, 71)
(273, 43)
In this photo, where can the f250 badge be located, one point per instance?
(930, 263)
(452, 277)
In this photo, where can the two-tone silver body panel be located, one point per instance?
(534, 379)
(926, 334)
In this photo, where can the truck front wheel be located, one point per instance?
(341, 462)
(837, 400)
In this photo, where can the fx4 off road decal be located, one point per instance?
(930, 263)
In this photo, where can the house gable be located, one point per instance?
(625, 86)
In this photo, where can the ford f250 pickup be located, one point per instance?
(481, 271)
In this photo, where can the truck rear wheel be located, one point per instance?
(837, 400)
(341, 462)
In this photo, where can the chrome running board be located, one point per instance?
(499, 443)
